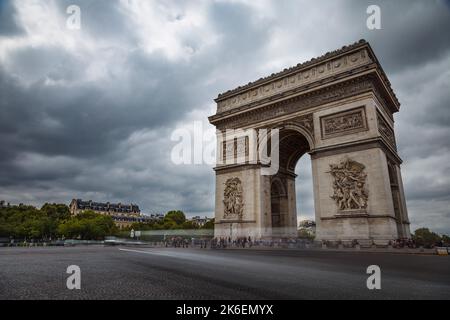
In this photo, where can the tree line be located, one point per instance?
(54, 221)
(428, 239)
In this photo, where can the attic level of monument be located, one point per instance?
(319, 79)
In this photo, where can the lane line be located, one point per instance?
(137, 251)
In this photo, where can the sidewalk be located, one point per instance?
(421, 251)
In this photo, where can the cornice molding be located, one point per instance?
(242, 117)
(347, 147)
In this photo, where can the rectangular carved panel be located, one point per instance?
(235, 149)
(343, 123)
(386, 132)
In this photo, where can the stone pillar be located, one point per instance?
(239, 205)
(406, 232)
(375, 221)
(291, 223)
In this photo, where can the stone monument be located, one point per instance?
(339, 109)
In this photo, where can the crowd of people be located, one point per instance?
(177, 242)
(248, 242)
(228, 242)
(404, 243)
(222, 243)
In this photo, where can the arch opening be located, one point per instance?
(292, 146)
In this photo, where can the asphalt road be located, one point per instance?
(177, 273)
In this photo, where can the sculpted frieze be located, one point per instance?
(346, 122)
(349, 179)
(303, 102)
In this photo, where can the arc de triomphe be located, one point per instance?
(339, 109)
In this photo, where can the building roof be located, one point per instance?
(107, 207)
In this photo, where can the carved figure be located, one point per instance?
(349, 185)
(232, 198)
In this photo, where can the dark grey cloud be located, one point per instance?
(8, 24)
(411, 31)
(104, 19)
(90, 113)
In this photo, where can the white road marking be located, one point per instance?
(148, 252)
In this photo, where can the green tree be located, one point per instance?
(304, 233)
(209, 224)
(446, 240)
(176, 216)
(56, 211)
(88, 226)
(23, 222)
(424, 237)
(170, 224)
(188, 225)
(70, 229)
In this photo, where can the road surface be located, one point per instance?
(177, 273)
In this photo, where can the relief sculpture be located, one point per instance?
(386, 131)
(349, 185)
(233, 199)
(345, 122)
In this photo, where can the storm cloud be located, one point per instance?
(89, 113)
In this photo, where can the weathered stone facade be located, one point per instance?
(338, 108)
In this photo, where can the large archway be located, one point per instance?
(338, 108)
(292, 146)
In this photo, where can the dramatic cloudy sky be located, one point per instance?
(90, 113)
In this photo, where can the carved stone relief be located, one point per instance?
(343, 123)
(242, 147)
(296, 104)
(349, 185)
(235, 149)
(229, 149)
(306, 122)
(233, 199)
(386, 132)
